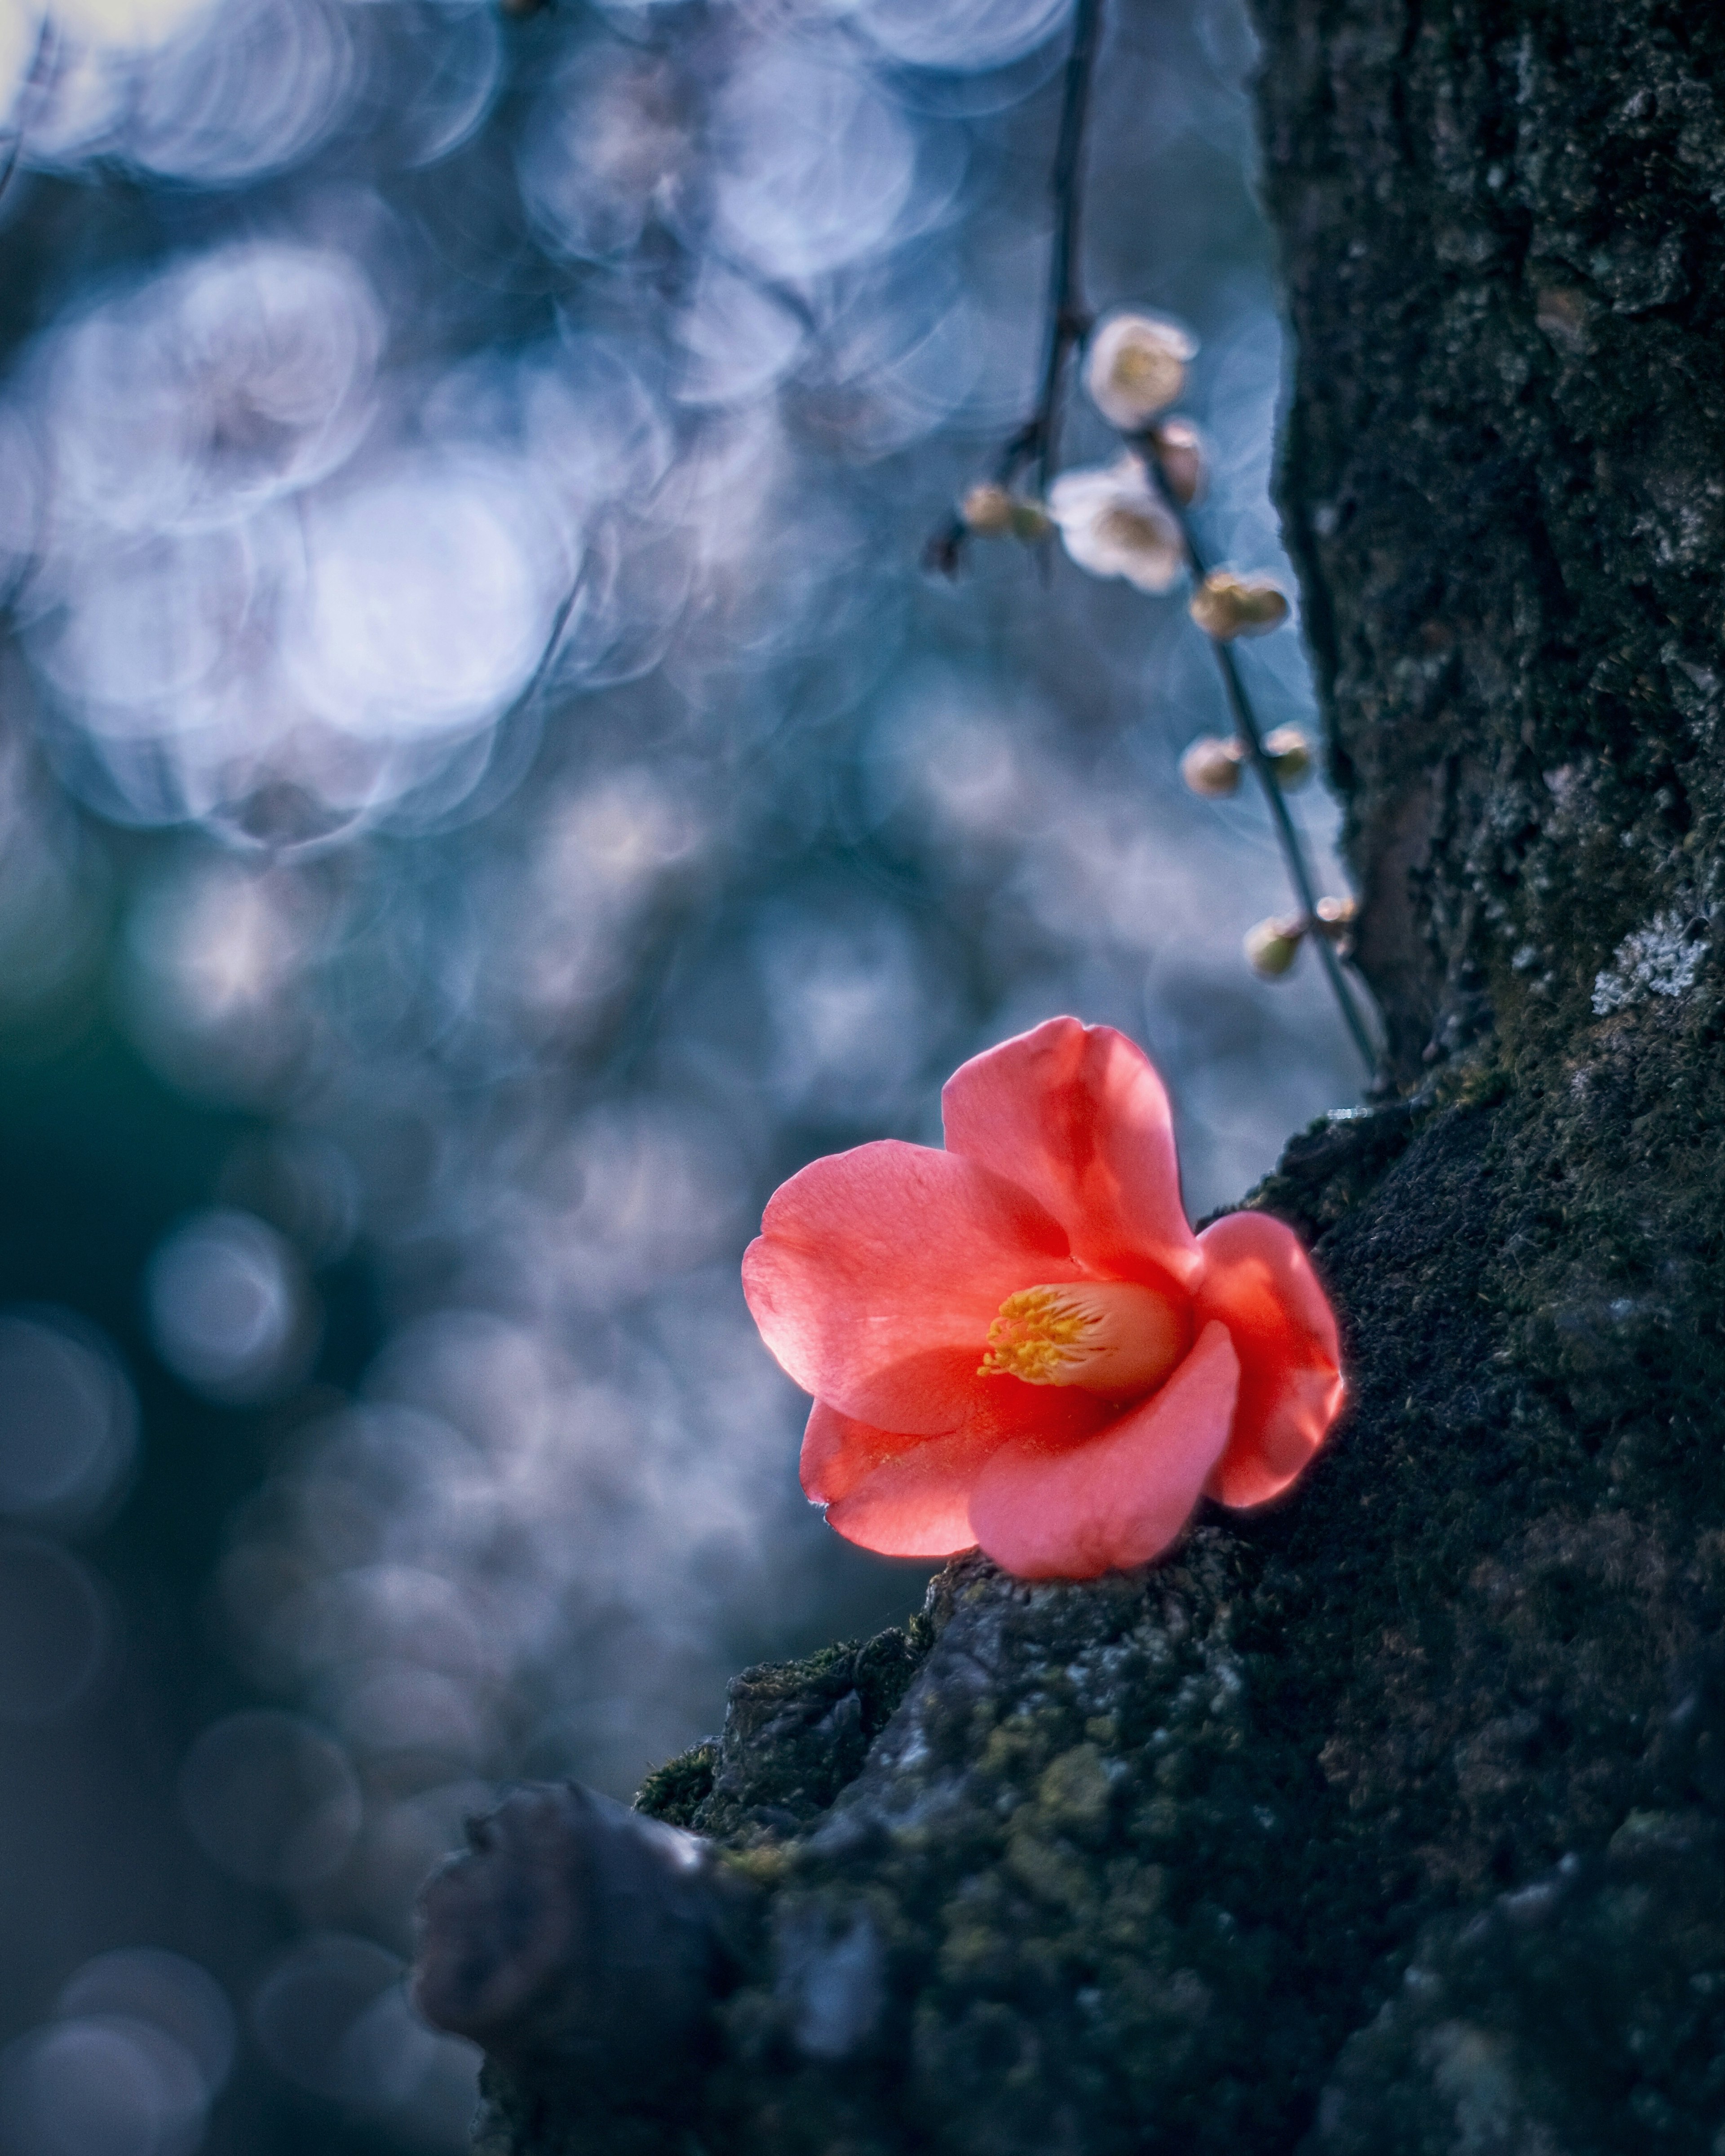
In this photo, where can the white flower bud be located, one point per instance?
(1290, 755)
(1112, 523)
(1335, 919)
(1213, 768)
(1227, 605)
(987, 511)
(993, 512)
(1272, 947)
(1136, 368)
(1180, 454)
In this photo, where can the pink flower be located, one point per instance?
(1019, 1343)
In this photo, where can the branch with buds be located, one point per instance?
(996, 508)
(1132, 518)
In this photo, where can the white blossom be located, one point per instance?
(1113, 524)
(1136, 368)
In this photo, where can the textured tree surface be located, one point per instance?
(1392, 1819)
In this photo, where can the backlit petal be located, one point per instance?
(1260, 1282)
(878, 1272)
(915, 1502)
(1120, 1498)
(1077, 1115)
(839, 1452)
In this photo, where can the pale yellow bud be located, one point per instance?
(993, 512)
(1213, 768)
(1179, 455)
(1030, 521)
(1227, 605)
(1336, 918)
(1290, 755)
(987, 511)
(1272, 947)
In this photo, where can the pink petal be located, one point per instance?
(1077, 1115)
(1259, 1281)
(839, 1452)
(842, 1457)
(1119, 1498)
(877, 1273)
(918, 1503)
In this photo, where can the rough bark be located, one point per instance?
(1393, 1818)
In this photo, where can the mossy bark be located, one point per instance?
(1392, 1818)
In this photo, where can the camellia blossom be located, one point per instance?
(1135, 368)
(1018, 1342)
(1112, 523)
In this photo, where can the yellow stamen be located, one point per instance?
(1148, 368)
(1110, 1337)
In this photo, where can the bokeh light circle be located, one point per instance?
(68, 1420)
(228, 1306)
(271, 1799)
(814, 166)
(962, 35)
(165, 1991)
(54, 1629)
(101, 2085)
(331, 2017)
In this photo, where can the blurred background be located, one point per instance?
(486, 790)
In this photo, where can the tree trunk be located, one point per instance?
(1392, 1819)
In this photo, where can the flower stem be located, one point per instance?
(1293, 849)
(1067, 321)
(32, 77)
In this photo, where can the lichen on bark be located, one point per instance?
(1392, 1817)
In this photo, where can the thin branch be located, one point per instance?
(1293, 846)
(25, 89)
(1067, 321)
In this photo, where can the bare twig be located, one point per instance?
(33, 77)
(1067, 321)
(1287, 833)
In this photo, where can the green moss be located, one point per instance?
(676, 1792)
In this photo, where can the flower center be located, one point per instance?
(1110, 1337)
(1131, 529)
(1138, 366)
